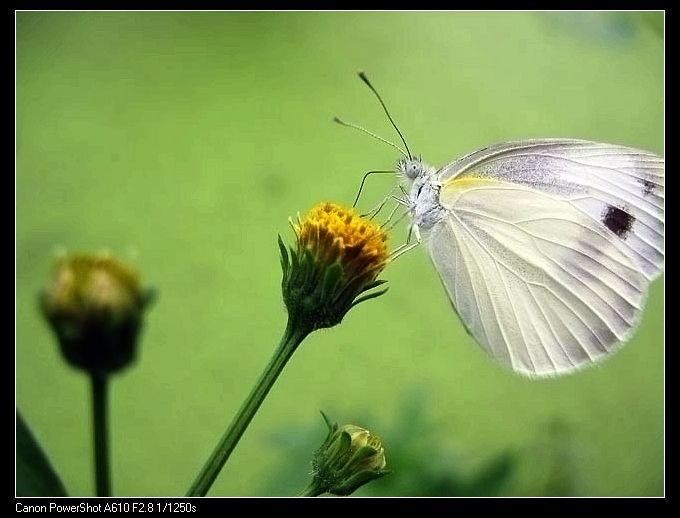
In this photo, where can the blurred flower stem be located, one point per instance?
(100, 395)
(95, 306)
(336, 261)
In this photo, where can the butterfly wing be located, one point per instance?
(538, 278)
(619, 187)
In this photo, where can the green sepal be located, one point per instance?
(368, 296)
(331, 279)
(295, 262)
(340, 448)
(284, 257)
(331, 426)
(362, 453)
(372, 285)
(149, 296)
(307, 266)
(356, 481)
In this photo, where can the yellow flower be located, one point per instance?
(334, 233)
(337, 257)
(94, 305)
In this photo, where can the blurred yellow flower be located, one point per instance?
(94, 305)
(86, 286)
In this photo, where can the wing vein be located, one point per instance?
(514, 312)
(550, 326)
(486, 284)
(627, 266)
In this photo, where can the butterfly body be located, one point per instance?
(545, 247)
(424, 190)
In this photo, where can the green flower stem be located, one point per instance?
(101, 434)
(292, 337)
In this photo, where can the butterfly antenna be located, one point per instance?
(370, 133)
(363, 77)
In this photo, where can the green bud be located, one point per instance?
(350, 457)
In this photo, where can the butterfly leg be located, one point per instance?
(400, 250)
(404, 201)
(376, 210)
(389, 218)
(396, 221)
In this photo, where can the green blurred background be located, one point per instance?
(182, 142)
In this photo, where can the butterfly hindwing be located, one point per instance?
(541, 285)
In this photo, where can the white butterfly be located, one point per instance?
(545, 247)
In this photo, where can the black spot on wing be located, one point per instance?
(617, 220)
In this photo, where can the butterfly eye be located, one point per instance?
(412, 170)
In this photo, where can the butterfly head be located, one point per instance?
(412, 168)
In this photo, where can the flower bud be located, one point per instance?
(350, 457)
(94, 305)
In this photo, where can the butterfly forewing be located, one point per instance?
(620, 188)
